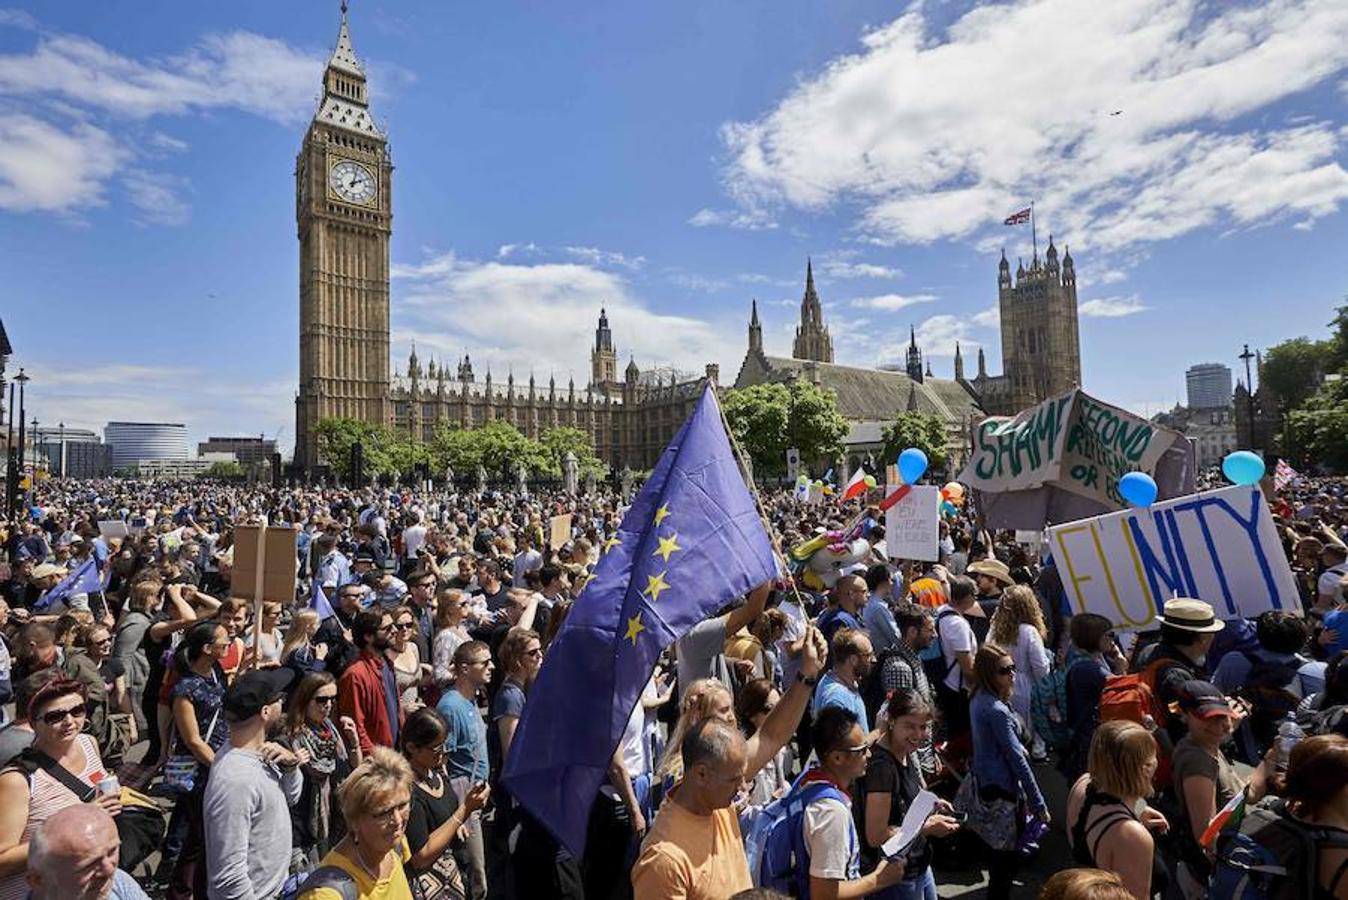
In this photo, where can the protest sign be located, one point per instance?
(912, 528)
(559, 531)
(114, 528)
(274, 578)
(1062, 460)
(1220, 547)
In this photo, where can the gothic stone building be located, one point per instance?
(344, 217)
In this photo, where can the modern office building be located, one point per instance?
(133, 442)
(1209, 386)
(74, 452)
(246, 450)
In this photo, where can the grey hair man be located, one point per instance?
(73, 856)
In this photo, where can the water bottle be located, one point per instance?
(1289, 735)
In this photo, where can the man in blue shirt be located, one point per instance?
(877, 615)
(853, 657)
(466, 749)
(849, 596)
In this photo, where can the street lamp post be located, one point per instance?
(61, 469)
(23, 379)
(1249, 393)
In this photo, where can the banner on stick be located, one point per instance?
(1221, 547)
(912, 528)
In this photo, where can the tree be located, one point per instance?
(563, 439)
(335, 437)
(1293, 368)
(766, 419)
(491, 447)
(223, 469)
(1316, 432)
(925, 431)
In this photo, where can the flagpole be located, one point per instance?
(1034, 237)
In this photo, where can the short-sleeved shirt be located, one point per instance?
(832, 692)
(690, 857)
(466, 745)
(830, 836)
(394, 887)
(885, 774)
(1189, 759)
(701, 653)
(956, 637)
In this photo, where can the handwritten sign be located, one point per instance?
(559, 531)
(912, 528)
(1221, 547)
(1073, 442)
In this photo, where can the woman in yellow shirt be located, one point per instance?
(376, 799)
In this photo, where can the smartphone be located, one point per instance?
(960, 817)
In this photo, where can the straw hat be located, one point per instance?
(993, 568)
(1191, 615)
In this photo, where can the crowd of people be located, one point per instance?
(165, 738)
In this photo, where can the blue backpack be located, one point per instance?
(1048, 704)
(775, 840)
(1270, 855)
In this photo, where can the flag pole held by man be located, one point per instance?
(691, 542)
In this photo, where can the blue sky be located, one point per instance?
(669, 161)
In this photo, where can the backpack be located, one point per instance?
(936, 667)
(1271, 856)
(1048, 704)
(1132, 697)
(775, 841)
(333, 878)
(1269, 688)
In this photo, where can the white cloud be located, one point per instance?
(694, 282)
(892, 302)
(596, 257)
(938, 335)
(938, 134)
(1112, 307)
(745, 220)
(988, 318)
(541, 317)
(846, 264)
(51, 169)
(507, 250)
(157, 196)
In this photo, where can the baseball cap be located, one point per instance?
(1203, 700)
(253, 690)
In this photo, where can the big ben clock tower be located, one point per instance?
(344, 213)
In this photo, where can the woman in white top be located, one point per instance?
(271, 641)
(451, 630)
(1018, 628)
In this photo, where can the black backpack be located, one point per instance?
(1270, 855)
(1269, 688)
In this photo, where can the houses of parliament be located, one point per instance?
(344, 217)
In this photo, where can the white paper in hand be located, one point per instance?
(923, 805)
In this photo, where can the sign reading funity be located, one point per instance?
(1220, 546)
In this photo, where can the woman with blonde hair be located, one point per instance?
(705, 699)
(298, 650)
(376, 801)
(1018, 628)
(1103, 827)
(1085, 884)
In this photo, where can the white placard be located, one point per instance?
(912, 526)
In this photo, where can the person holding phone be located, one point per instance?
(892, 782)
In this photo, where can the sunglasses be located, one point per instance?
(55, 717)
(405, 626)
(326, 698)
(855, 751)
(1007, 670)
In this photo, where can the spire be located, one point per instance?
(809, 278)
(912, 396)
(914, 361)
(912, 338)
(959, 363)
(344, 55)
(812, 339)
(753, 315)
(982, 364)
(346, 103)
(755, 330)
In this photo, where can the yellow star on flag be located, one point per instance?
(667, 546)
(654, 585)
(611, 543)
(634, 627)
(661, 513)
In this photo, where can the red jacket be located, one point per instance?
(360, 695)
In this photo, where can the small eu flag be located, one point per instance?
(691, 542)
(84, 580)
(318, 601)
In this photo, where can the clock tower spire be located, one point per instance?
(344, 218)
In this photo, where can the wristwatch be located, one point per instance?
(808, 682)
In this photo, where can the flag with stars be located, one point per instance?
(691, 542)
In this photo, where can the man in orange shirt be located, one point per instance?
(695, 849)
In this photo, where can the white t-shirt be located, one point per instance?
(797, 623)
(956, 637)
(1331, 581)
(830, 837)
(414, 538)
(525, 561)
(636, 740)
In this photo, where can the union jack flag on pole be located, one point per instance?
(1018, 218)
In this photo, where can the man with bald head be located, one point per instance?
(73, 856)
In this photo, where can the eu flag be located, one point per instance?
(691, 542)
(84, 580)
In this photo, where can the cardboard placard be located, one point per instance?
(912, 526)
(559, 531)
(1220, 547)
(114, 528)
(279, 564)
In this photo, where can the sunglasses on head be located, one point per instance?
(55, 717)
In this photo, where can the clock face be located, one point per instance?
(352, 182)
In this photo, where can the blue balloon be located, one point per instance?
(912, 464)
(1138, 488)
(1243, 467)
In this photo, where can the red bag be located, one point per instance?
(1133, 698)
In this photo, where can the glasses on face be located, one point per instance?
(406, 626)
(855, 751)
(325, 699)
(479, 662)
(388, 814)
(385, 629)
(54, 717)
(1007, 670)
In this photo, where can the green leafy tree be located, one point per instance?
(1293, 368)
(335, 437)
(223, 469)
(925, 431)
(490, 446)
(1316, 432)
(766, 419)
(563, 439)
